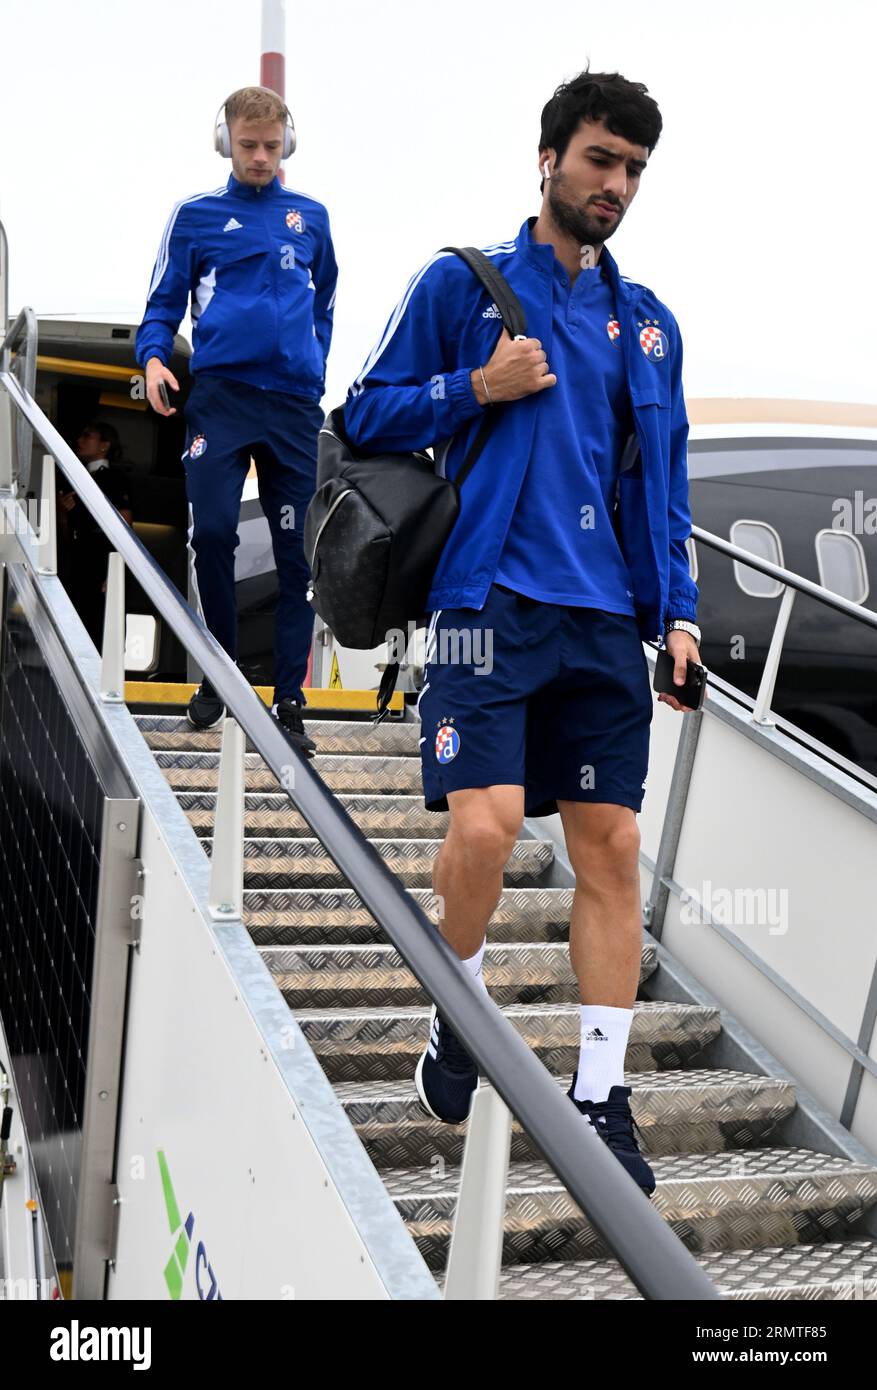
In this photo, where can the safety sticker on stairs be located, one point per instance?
(335, 676)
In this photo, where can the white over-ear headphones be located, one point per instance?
(222, 138)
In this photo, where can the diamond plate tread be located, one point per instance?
(200, 772)
(269, 813)
(385, 1044)
(303, 862)
(368, 976)
(170, 734)
(677, 1111)
(314, 916)
(748, 1199)
(833, 1271)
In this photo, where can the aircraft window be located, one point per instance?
(692, 558)
(762, 540)
(842, 568)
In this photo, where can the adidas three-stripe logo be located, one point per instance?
(232, 225)
(433, 1038)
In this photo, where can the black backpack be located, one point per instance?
(376, 525)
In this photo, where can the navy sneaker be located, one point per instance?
(615, 1125)
(288, 715)
(446, 1076)
(205, 707)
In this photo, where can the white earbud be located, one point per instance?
(546, 171)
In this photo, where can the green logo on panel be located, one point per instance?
(181, 1232)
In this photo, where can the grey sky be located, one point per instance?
(418, 125)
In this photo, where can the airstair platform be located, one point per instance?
(765, 1218)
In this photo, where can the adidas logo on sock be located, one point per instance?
(595, 1035)
(232, 225)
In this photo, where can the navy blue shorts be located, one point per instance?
(552, 698)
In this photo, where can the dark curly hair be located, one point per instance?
(624, 107)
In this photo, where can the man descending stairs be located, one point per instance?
(765, 1219)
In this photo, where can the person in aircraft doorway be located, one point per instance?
(258, 262)
(83, 549)
(568, 551)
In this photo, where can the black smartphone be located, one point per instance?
(165, 398)
(694, 689)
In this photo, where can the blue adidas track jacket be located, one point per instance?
(260, 268)
(415, 391)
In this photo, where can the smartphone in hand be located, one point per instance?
(692, 692)
(165, 398)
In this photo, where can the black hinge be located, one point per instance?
(114, 1197)
(137, 883)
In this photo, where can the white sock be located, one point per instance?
(603, 1043)
(474, 965)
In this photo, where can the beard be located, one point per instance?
(585, 227)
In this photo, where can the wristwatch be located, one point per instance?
(682, 625)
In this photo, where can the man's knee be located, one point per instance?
(604, 840)
(214, 535)
(485, 824)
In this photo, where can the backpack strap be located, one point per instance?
(496, 285)
(514, 320)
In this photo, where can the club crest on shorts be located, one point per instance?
(613, 329)
(653, 340)
(197, 447)
(447, 741)
(294, 220)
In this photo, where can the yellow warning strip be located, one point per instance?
(179, 693)
(75, 366)
(119, 402)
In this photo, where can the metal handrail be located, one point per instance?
(787, 577)
(4, 288)
(25, 326)
(647, 1248)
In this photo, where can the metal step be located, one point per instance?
(765, 1221)
(678, 1112)
(384, 1044)
(166, 733)
(742, 1200)
(303, 863)
(271, 814)
(200, 772)
(355, 977)
(833, 1271)
(310, 916)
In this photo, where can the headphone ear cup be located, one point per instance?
(288, 139)
(221, 141)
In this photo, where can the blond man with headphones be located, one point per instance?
(256, 261)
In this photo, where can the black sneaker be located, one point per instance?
(446, 1076)
(205, 707)
(615, 1125)
(288, 715)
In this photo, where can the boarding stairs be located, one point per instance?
(765, 1217)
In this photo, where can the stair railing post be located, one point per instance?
(761, 712)
(48, 529)
(112, 670)
(226, 900)
(475, 1257)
